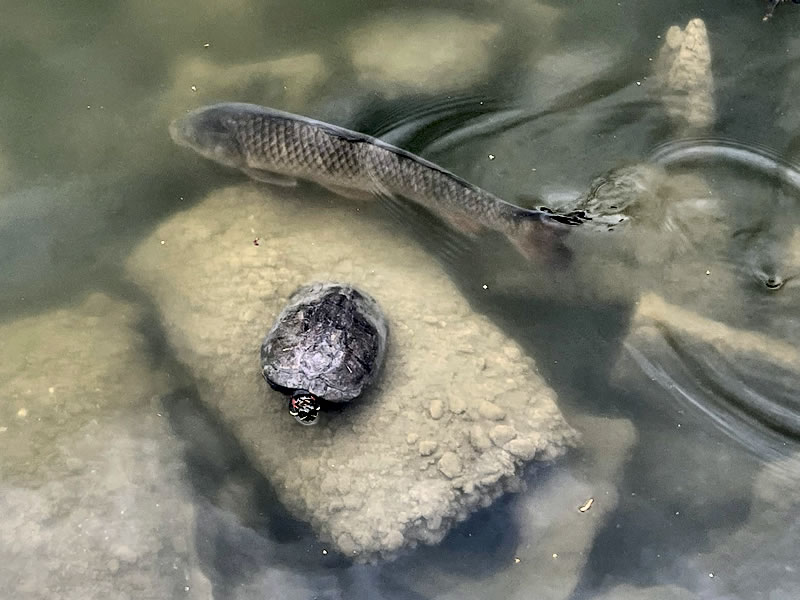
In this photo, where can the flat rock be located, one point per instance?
(553, 538)
(92, 496)
(219, 293)
(430, 52)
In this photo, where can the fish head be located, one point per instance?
(210, 131)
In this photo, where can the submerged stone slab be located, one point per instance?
(428, 52)
(554, 525)
(416, 454)
(91, 486)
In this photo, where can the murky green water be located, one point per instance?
(134, 464)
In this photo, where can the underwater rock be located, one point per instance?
(91, 486)
(684, 80)
(218, 293)
(743, 381)
(758, 561)
(550, 539)
(289, 81)
(418, 52)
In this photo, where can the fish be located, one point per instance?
(281, 148)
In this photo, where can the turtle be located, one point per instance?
(327, 345)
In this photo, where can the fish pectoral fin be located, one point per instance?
(348, 192)
(269, 177)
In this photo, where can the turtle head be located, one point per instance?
(304, 407)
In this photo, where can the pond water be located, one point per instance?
(137, 460)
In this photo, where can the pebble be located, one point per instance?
(427, 447)
(436, 409)
(22, 413)
(522, 448)
(491, 411)
(450, 464)
(412, 438)
(478, 438)
(502, 434)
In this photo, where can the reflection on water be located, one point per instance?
(142, 455)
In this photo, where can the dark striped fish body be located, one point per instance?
(281, 148)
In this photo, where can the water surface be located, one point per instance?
(665, 338)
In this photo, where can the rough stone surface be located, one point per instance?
(758, 561)
(418, 52)
(450, 465)
(427, 447)
(218, 294)
(92, 497)
(552, 538)
(490, 411)
(684, 80)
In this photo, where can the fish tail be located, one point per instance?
(540, 237)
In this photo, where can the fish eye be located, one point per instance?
(216, 124)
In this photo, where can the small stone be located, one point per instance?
(450, 465)
(194, 88)
(436, 409)
(51, 390)
(22, 413)
(324, 552)
(522, 448)
(457, 405)
(412, 438)
(491, 411)
(427, 447)
(3, 429)
(502, 434)
(478, 438)
(491, 157)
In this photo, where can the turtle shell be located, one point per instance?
(329, 340)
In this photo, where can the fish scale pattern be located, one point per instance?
(298, 148)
